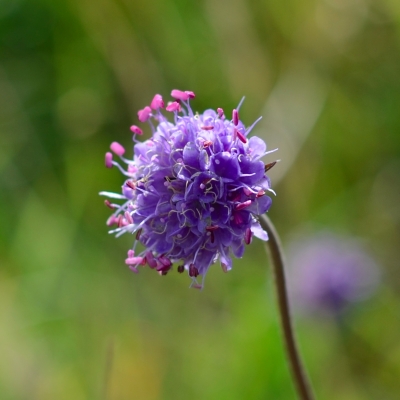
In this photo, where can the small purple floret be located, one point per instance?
(330, 272)
(194, 190)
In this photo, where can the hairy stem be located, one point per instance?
(278, 264)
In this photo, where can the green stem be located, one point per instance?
(276, 254)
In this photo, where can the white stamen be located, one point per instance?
(112, 195)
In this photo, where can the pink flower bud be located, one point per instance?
(144, 114)
(190, 94)
(174, 106)
(179, 95)
(108, 160)
(235, 117)
(118, 149)
(157, 102)
(135, 129)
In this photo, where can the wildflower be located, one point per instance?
(193, 191)
(329, 273)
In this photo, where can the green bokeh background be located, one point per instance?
(74, 322)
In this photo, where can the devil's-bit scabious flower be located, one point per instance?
(193, 190)
(329, 272)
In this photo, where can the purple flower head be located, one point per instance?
(329, 272)
(193, 191)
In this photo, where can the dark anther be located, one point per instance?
(108, 204)
(193, 271)
(241, 137)
(131, 184)
(269, 166)
(212, 237)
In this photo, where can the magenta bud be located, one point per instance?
(128, 217)
(174, 106)
(117, 148)
(132, 168)
(179, 95)
(133, 260)
(111, 221)
(108, 160)
(108, 204)
(260, 193)
(241, 137)
(220, 112)
(151, 260)
(164, 261)
(235, 116)
(157, 102)
(247, 191)
(247, 236)
(241, 206)
(190, 94)
(144, 114)
(135, 129)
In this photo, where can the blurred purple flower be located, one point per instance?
(193, 191)
(328, 272)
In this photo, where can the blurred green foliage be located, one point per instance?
(74, 322)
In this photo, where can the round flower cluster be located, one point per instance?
(193, 190)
